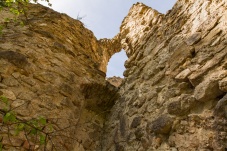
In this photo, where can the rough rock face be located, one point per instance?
(116, 81)
(54, 67)
(173, 96)
(174, 92)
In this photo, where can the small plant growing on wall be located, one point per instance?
(33, 132)
(16, 7)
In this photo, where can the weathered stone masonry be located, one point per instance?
(54, 67)
(174, 92)
(173, 96)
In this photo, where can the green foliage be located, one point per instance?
(10, 3)
(42, 139)
(4, 100)
(9, 117)
(41, 132)
(1, 146)
(16, 7)
(34, 127)
(42, 121)
(19, 128)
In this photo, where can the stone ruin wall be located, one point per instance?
(54, 67)
(173, 96)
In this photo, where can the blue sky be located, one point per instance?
(104, 18)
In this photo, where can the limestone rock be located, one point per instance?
(183, 75)
(116, 81)
(173, 96)
(193, 39)
(53, 67)
(136, 122)
(8, 94)
(220, 108)
(181, 105)
(177, 65)
(162, 125)
(223, 84)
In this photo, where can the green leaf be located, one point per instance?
(9, 117)
(21, 126)
(42, 139)
(13, 118)
(34, 131)
(1, 146)
(33, 123)
(14, 11)
(51, 129)
(17, 131)
(42, 121)
(7, 20)
(22, 23)
(6, 118)
(4, 99)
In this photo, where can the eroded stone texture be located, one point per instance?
(174, 93)
(173, 96)
(116, 81)
(54, 67)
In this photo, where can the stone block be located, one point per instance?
(181, 105)
(193, 39)
(136, 122)
(223, 85)
(183, 75)
(15, 58)
(161, 125)
(8, 94)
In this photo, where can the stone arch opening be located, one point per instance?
(115, 65)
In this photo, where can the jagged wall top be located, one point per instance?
(53, 67)
(138, 21)
(173, 95)
(143, 20)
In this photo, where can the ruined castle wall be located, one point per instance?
(174, 91)
(173, 96)
(53, 67)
